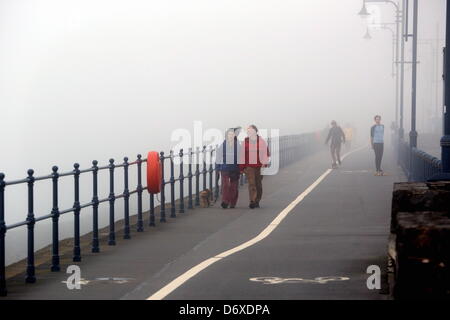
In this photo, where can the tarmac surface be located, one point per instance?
(320, 250)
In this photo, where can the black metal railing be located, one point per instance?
(289, 148)
(417, 164)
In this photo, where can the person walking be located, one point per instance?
(227, 164)
(255, 154)
(348, 131)
(377, 141)
(337, 137)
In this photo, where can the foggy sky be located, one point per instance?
(83, 80)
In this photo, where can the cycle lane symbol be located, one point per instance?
(318, 280)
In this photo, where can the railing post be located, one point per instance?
(55, 221)
(197, 177)
(30, 278)
(424, 168)
(216, 177)
(3, 291)
(416, 161)
(126, 200)
(112, 199)
(190, 202)
(172, 187)
(204, 167)
(140, 222)
(152, 210)
(181, 155)
(95, 203)
(211, 195)
(76, 214)
(163, 192)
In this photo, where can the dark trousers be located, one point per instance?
(335, 149)
(230, 185)
(378, 148)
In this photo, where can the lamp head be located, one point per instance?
(364, 13)
(367, 36)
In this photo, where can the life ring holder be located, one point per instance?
(154, 173)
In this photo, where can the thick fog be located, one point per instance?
(99, 79)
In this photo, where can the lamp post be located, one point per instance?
(394, 71)
(402, 76)
(385, 26)
(413, 132)
(367, 36)
(399, 81)
(445, 140)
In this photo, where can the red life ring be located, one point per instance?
(154, 174)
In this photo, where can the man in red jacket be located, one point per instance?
(255, 154)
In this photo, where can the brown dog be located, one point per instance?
(205, 197)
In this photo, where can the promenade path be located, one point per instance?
(337, 228)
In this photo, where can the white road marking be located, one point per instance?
(81, 282)
(106, 279)
(356, 171)
(177, 282)
(277, 280)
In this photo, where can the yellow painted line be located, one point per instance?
(177, 282)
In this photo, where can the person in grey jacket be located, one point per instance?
(337, 137)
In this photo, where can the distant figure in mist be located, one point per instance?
(337, 137)
(394, 130)
(377, 141)
(254, 155)
(228, 155)
(348, 131)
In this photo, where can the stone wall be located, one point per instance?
(420, 225)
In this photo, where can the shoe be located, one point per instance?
(224, 205)
(257, 205)
(377, 173)
(232, 206)
(340, 162)
(381, 173)
(251, 205)
(334, 166)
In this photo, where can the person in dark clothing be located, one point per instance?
(377, 141)
(337, 137)
(227, 164)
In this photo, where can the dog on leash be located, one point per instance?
(205, 198)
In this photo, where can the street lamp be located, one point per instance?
(399, 83)
(364, 13)
(385, 26)
(367, 36)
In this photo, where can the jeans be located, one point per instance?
(378, 148)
